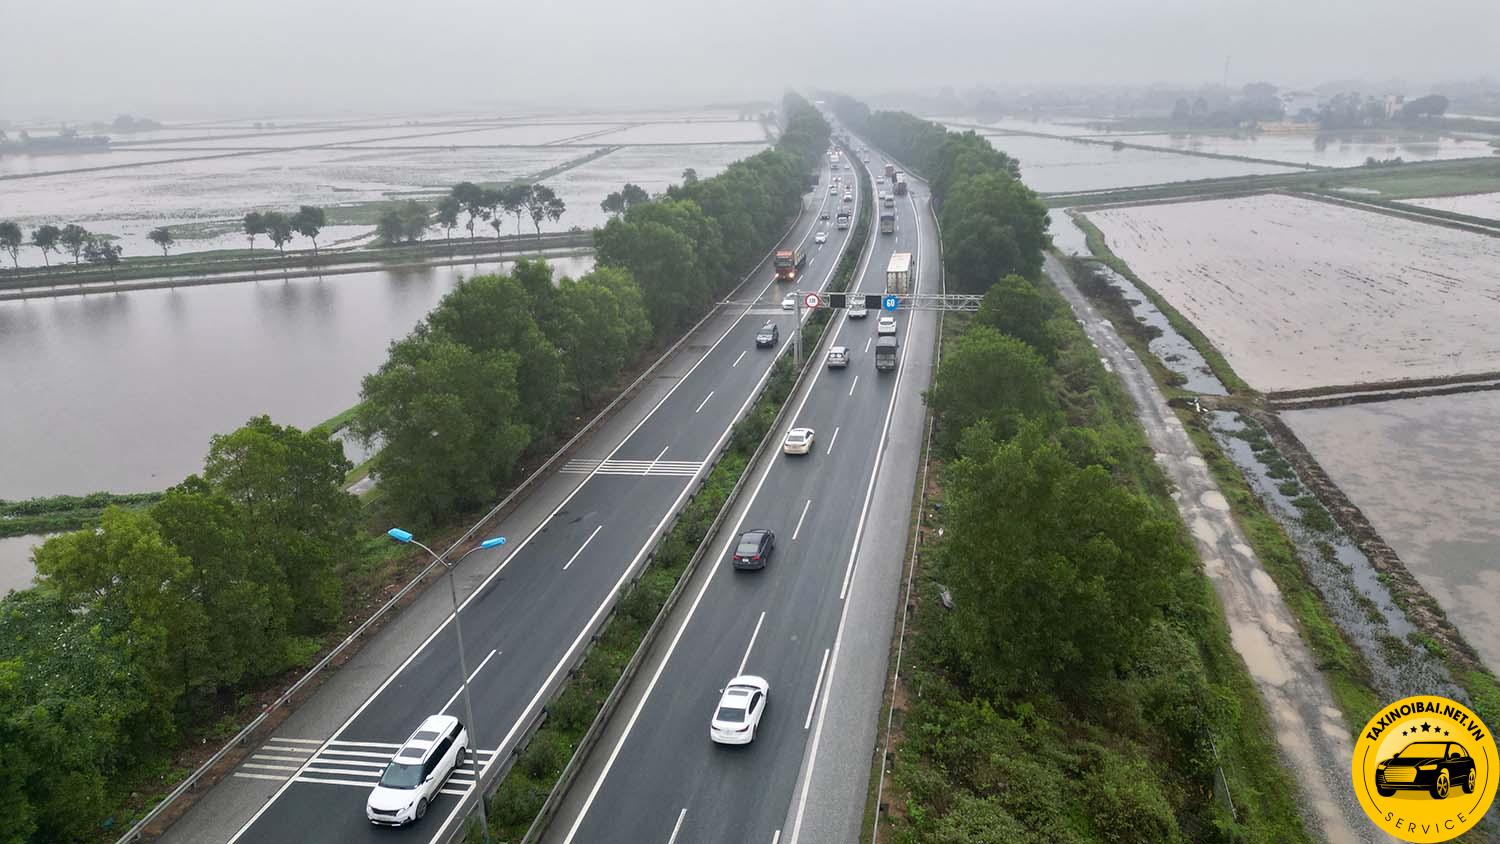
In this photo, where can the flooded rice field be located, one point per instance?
(121, 392)
(1298, 293)
(1425, 471)
(1330, 150)
(1474, 204)
(1350, 587)
(1067, 237)
(204, 198)
(16, 568)
(1051, 126)
(1056, 166)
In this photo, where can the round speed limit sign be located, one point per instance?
(812, 300)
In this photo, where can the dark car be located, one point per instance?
(767, 335)
(823, 216)
(754, 549)
(1430, 766)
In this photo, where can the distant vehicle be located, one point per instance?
(886, 324)
(788, 262)
(741, 705)
(848, 197)
(889, 201)
(767, 335)
(838, 357)
(789, 302)
(754, 549)
(885, 353)
(820, 237)
(857, 308)
(1430, 766)
(898, 274)
(881, 195)
(418, 772)
(834, 188)
(798, 441)
(887, 221)
(842, 220)
(823, 216)
(900, 186)
(890, 171)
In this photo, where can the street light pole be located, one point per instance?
(463, 663)
(797, 333)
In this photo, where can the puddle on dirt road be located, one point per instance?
(1067, 237)
(1170, 347)
(1350, 586)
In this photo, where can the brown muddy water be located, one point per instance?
(121, 392)
(1425, 472)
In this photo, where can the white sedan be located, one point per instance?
(741, 705)
(820, 237)
(798, 441)
(790, 302)
(886, 325)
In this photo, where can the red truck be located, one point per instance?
(788, 262)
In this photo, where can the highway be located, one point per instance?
(657, 777)
(527, 621)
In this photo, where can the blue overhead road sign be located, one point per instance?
(890, 303)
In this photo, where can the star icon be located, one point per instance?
(1426, 726)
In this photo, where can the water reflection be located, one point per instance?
(122, 391)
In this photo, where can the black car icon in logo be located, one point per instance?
(1430, 766)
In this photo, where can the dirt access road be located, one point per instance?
(1311, 732)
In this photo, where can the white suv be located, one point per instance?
(418, 771)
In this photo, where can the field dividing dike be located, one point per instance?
(812, 358)
(1118, 144)
(233, 751)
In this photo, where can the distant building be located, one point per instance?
(1300, 105)
(1393, 104)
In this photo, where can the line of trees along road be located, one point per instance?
(1076, 688)
(504, 361)
(145, 629)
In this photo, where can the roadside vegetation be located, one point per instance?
(64, 512)
(1071, 677)
(155, 628)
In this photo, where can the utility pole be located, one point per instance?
(797, 333)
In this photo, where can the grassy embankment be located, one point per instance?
(521, 795)
(1403, 181)
(1118, 768)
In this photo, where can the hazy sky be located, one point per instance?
(170, 58)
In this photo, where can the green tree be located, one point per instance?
(1080, 565)
(600, 324)
(290, 486)
(448, 209)
(988, 377)
(74, 238)
(414, 220)
(100, 251)
(663, 259)
(514, 198)
(46, 238)
(1016, 308)
(278, 229)
(11, 240)
(162, 236)
(255, 225)
(993, 226)
(471, 198)
(448, 418)
(543, 204)
(308, 221)
(689, 177)
(390, 228)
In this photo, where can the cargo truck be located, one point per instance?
(901, 186)
(887, 221)
(842, 220)
(898, 274)
(890, 172)
(885, 353)
(788, 262)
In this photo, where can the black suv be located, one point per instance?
(767, 335)
(754, 549)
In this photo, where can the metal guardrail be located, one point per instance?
(627, 675)
(137, 830)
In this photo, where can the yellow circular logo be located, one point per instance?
(1425, 769)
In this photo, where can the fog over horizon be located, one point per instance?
(92, 59)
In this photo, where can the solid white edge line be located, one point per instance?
(798, 529)
(581, 547)
(817, 687)
(754, 633)
(469, 679)
(677, 827)
(512, 555)
(832, 440)
(705, 400)
(730, 537)
(838, 639)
